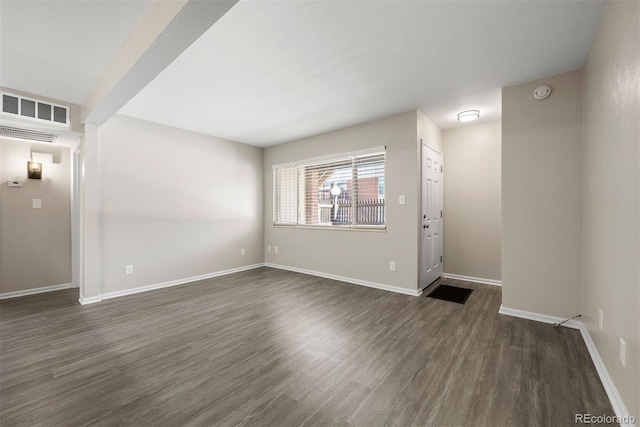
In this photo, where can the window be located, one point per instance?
(340, 191)
(33, 109)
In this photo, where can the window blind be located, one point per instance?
(285, 191)
(345, 190)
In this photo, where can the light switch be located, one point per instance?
(37, 203)
(401, 199)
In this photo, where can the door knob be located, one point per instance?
(425, 226)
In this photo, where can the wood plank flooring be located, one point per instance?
(275, 348)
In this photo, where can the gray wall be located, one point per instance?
(542, 196)
(472, 201)
(362, 255)
(175, 204)
(612, 195)
(36, 243)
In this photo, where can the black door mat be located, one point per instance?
(451, 293)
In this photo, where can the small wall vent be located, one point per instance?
(26, 134)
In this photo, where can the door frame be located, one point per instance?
(424, 143)
(76, 214)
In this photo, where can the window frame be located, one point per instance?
(300, 194)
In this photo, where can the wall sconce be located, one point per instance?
(34, 170)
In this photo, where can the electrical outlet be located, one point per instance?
(623, 353)
(392, 265)
(128, 270)
(37, 203)
(601, 314)
(275, 248)
(269, 248)
(242, 252)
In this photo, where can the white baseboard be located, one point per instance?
(34, 291)
(473, 279)
(544, 318)
(90, 300)
(607, 382)
(381, 286)
(612, 392)
(177, 282)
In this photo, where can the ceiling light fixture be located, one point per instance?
(469, 115)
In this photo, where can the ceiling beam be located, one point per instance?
(163, 33)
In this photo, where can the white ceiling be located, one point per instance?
(60, 49)
(275, 71)
(271, 72)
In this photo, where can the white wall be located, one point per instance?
(175, 204)
(36, 243)
(428, 131)
(472, 201)
(612, 195)
(362, 255)
(90, 216)
(542, 196)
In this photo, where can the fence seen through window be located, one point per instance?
(346, 191)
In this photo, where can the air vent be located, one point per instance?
(33, 109)
(25, 134)
(41, 157)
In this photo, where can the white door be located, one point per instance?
(431, 262)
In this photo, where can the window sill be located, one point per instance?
(367, 228)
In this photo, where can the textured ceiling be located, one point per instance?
(60, 49)
(274, 71)
(271, 72)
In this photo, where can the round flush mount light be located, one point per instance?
(542, 92)
(469, 115)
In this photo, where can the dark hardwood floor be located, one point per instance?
(275, 348)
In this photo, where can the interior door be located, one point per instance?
(432, 196)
